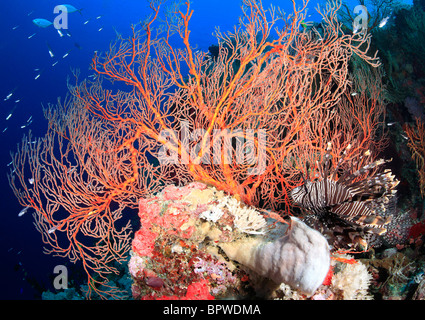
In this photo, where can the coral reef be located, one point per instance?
(401, 46)
(352, 282)
(196, 242)
(107, 151)
(190, 247)
(196, 236)
(174, 251)
(420, 292)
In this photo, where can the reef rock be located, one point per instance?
(420, 291)
(197, 234)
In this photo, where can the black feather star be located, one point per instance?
(350, 208)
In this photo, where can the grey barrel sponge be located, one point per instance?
(299, 258)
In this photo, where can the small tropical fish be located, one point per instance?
(4, 130)
(26, 124)
(31, 180)
(23, 211)
(52, 229)
(29, 121)
(72, 9)
(60, 32)
(29, 37)
(391, 123)
(384, 22)
(15, 27)
(354, 94)
(10, 94)
(66, 54)
(55, 63)
(68, 34)
(42, 23)
(11, 112)
(50, 50)
(39, 74)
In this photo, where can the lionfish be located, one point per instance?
(351, 209)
